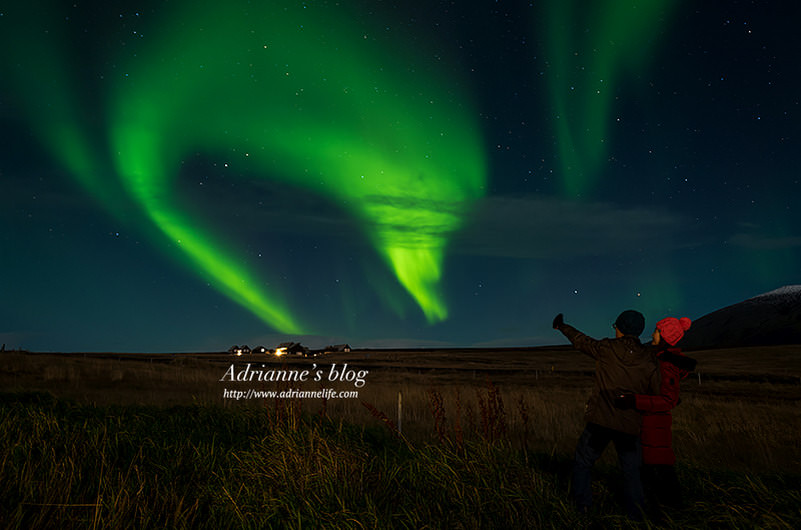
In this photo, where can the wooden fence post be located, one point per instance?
(400, 412)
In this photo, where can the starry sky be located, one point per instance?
(185, 176)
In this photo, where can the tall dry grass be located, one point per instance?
(66, 465)
(472, 452)
(740, 425)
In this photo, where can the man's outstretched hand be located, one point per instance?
(559, 321)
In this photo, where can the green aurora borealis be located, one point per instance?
(590, 72)
(184, 174)
(298, 95)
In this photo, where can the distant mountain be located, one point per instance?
(771, 318)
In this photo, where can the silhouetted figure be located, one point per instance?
(622, 365)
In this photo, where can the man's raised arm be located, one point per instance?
(579, 340)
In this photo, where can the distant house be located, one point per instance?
(259, 349)
(338, 348)
(291, 348)
(239, 350)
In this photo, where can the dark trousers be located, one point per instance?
(591, 445)
(661, 486)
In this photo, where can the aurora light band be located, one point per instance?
(593, 48)
(307, 96)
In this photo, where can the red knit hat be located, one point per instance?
(672, 329)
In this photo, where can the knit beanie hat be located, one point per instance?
(630, 322)
(672, 329)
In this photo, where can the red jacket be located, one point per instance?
(656, 436)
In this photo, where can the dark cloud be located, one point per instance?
(545, 227)
(764, 242)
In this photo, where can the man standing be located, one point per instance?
(620, 363)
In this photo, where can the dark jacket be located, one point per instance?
(657, 439)
(621, 365)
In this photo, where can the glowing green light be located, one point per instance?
(590, 46)
(310, 104)
(36, 80)
(301, 93)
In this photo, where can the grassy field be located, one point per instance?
(486, 437)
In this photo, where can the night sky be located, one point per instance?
(185, 176)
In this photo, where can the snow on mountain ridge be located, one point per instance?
(787, 290)
(771, 318)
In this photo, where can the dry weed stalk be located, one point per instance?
(523, 408)
(386, 421)
(438, 412)
(471, 417)
(457, 423)
(493, 416)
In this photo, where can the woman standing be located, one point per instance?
(660, 482)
